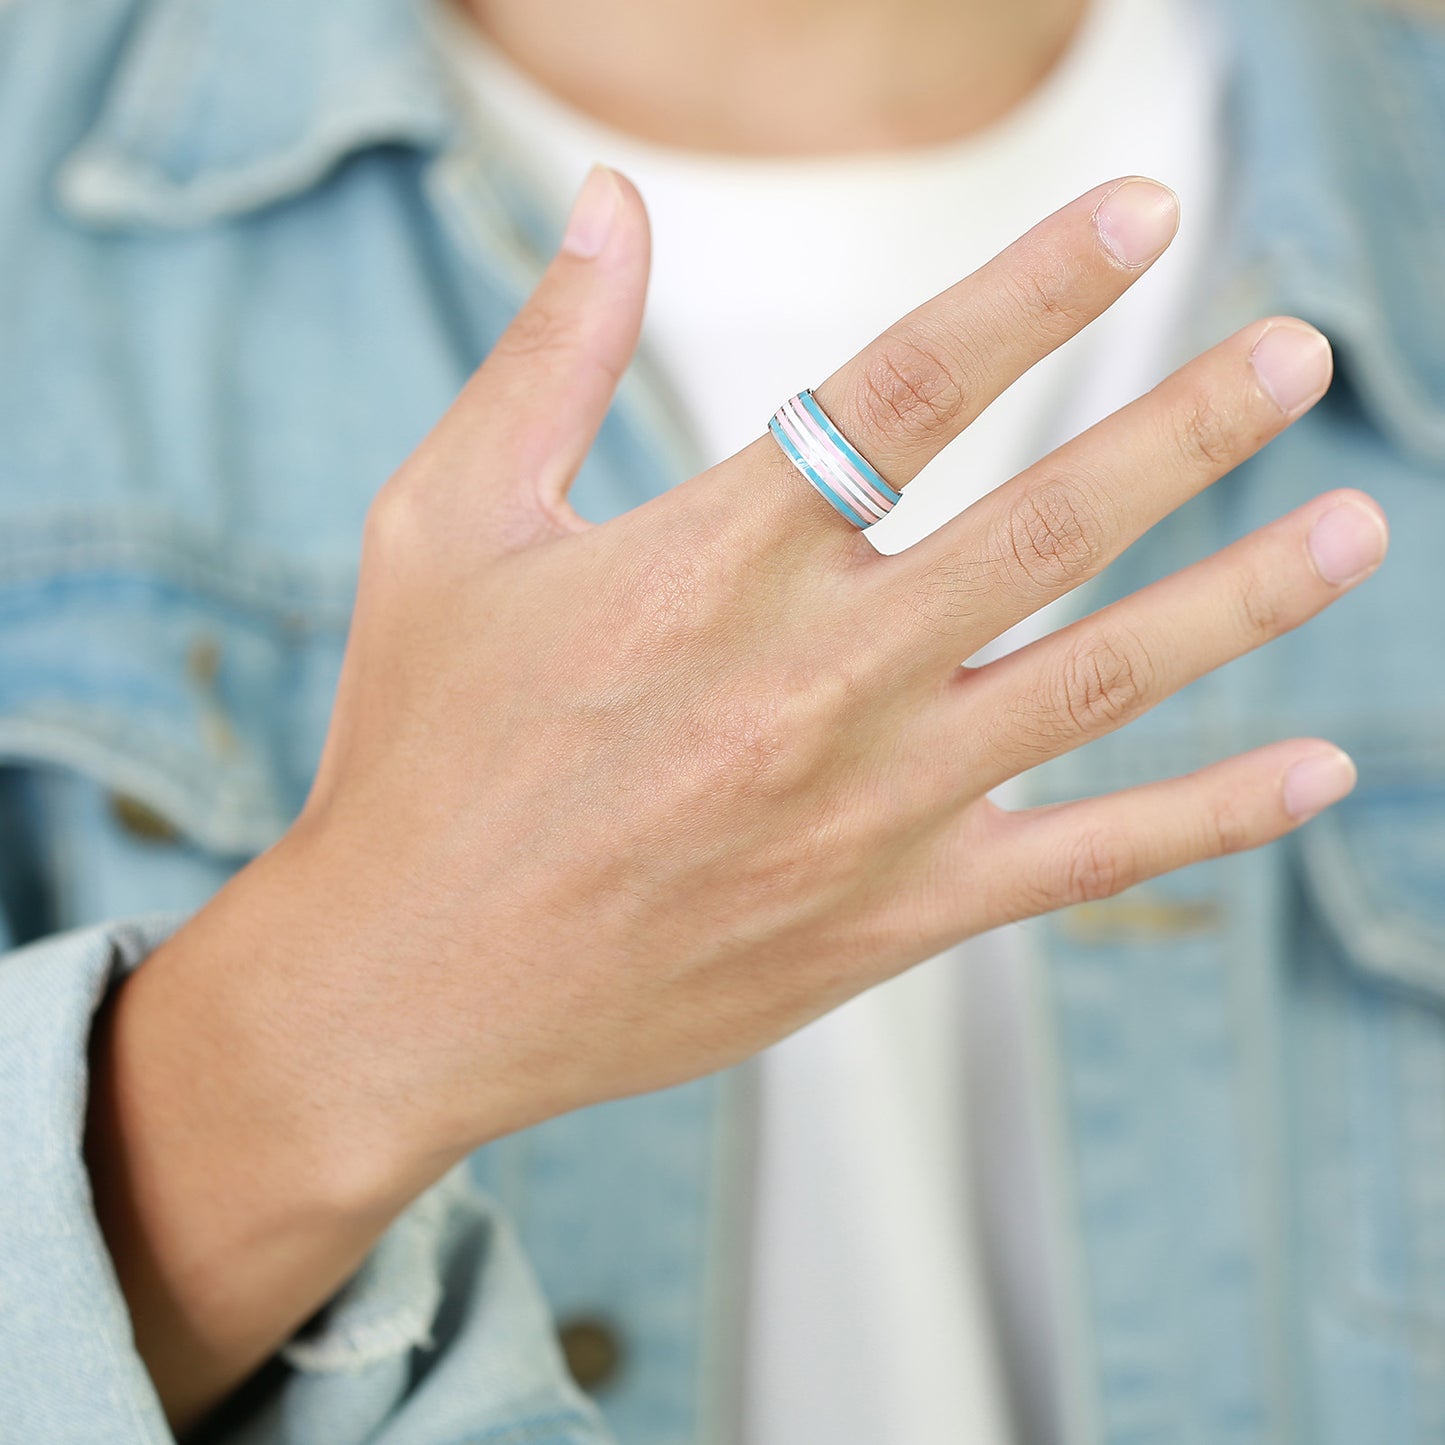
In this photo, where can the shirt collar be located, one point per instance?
(206, 115)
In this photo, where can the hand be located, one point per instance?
(608, 807)
(615, 806)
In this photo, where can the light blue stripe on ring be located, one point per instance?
(799, 461)
(847, 447)
(831, 464)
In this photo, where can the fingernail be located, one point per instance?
(1347, 542)
(1312, 785)
(1293, 364)
(1137, 220)
(593, 213)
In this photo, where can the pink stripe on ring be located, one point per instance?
(860, 484)
(823, 455)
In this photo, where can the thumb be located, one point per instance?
(530, 413)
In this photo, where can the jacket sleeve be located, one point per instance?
(441, 1336)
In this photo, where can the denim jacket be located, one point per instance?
(249, 250)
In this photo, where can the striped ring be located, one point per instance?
(830, 461)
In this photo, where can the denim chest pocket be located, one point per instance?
(1365, 1063)
(186, 676)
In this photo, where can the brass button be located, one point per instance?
(142, 821)
(592, 1350)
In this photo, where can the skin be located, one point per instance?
(605, 808)
(880, 74)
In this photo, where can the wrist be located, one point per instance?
(234, 1197)
(248, 1027)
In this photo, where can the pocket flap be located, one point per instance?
(195, 683)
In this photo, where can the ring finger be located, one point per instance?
(1101, 672)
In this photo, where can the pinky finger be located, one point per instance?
(1084, 851)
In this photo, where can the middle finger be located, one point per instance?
(912, 390)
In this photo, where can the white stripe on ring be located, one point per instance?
(822, 462)
(814, 443)
(834, 464)
(881, 504)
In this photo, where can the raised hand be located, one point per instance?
(642, 797)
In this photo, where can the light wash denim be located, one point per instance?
(248, 252)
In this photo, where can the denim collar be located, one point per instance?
(1340, 207)
(1340, 195)
(217, 108)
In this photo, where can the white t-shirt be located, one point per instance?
(898, 1225)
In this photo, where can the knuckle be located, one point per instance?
(1261, 610)
(909, 385)
(1106, 682)
(536, 333)
(1044, 308)
(1229, 829)
(1088, 867)
(1095, 868)
(1053, 535)
(1206, 436)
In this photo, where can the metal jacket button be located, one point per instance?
(593, 1351)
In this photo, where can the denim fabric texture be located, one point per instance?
(248, 253)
